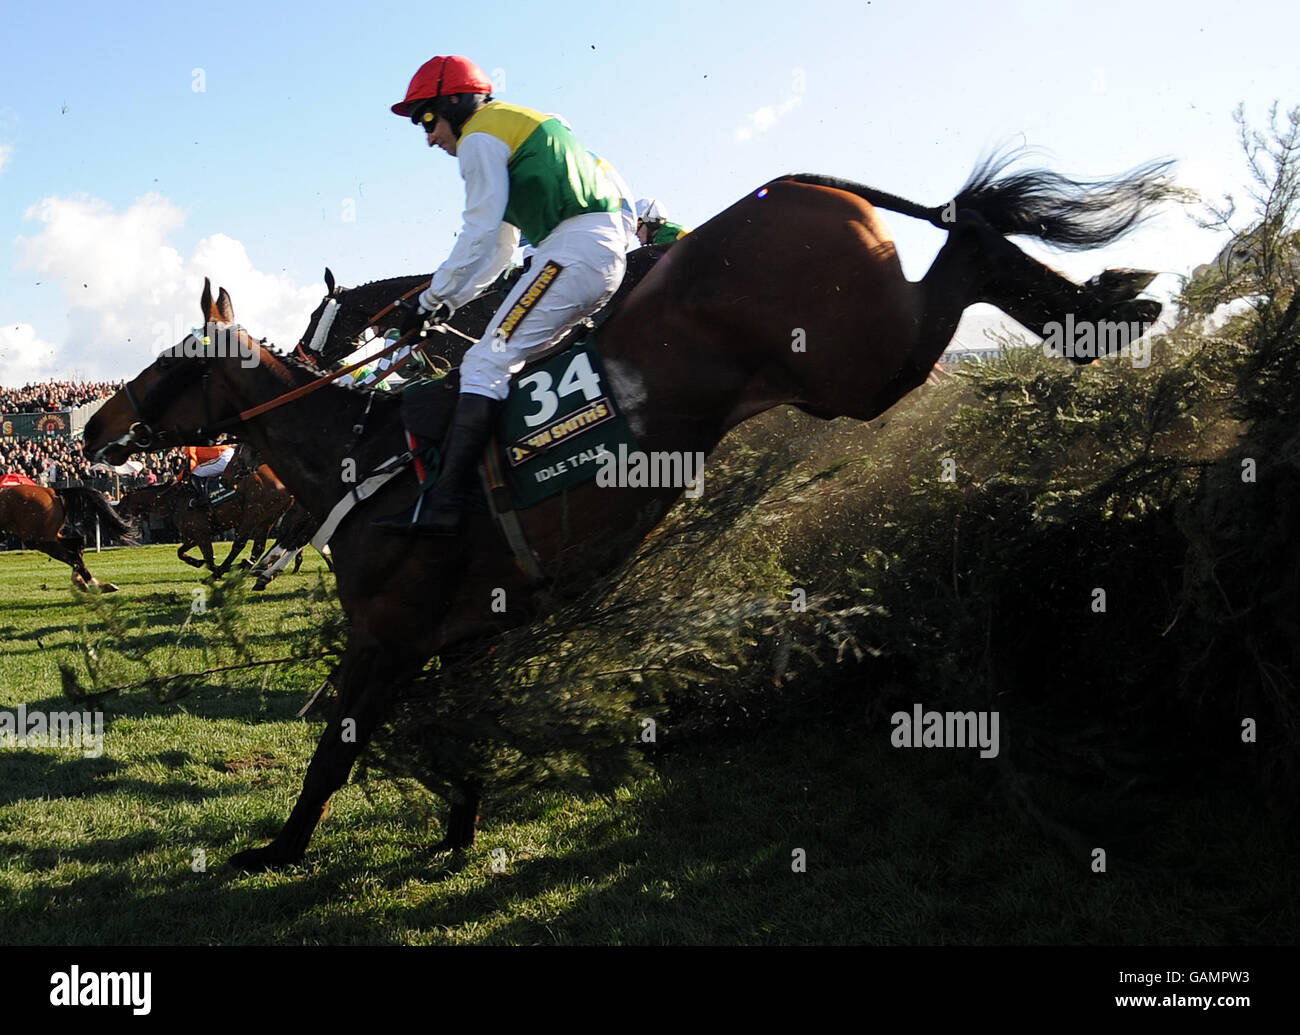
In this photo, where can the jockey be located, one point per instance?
(524, 172)
(653, 226)
(626, 208)
(206, 465)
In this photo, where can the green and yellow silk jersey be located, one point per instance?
(668, 233)
(552, 176)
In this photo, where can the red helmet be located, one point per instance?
(441, 76)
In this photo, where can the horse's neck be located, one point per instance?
(360, 304)
(308, 442)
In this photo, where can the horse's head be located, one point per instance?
(182, 398)
(341, 323)
(137, 502)
(312, 346)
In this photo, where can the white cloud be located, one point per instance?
(24, 356)
(760, 121)
(6, 152)
(131, 293)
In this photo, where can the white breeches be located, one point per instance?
(589, 249)
(212, 468)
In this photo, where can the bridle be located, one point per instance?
(320, 335)
(142, 434)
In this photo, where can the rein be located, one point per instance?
(209, 431)
(297, 393)
(311, 386)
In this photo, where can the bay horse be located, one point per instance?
(47, 519)
(258, 502)
(793, 295)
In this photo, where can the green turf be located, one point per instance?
(902, 847)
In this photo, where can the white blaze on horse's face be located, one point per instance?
(323, 326)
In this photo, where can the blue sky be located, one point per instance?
(143, 146)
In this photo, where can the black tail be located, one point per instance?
(1072, 214)
(83, 504)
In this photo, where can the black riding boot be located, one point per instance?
(438, 511)
(202, 493)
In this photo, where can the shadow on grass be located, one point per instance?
(35, 773)
(812, 837)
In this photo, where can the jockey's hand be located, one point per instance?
(414, 316)
(410, 317)
(441, 314)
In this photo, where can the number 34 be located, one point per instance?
(578, 377)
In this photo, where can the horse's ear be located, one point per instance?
(205, 303)
(225, 308)
(329, 280)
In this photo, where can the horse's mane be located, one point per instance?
(413, 277)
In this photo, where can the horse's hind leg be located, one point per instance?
(369, 678)
(71, 548)
(977, 264)
(61, 550)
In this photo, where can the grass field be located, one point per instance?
(901, 847)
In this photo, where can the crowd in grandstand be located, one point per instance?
(53, 460)
(48, 396)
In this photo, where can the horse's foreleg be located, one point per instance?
(255, 554)
(236, 548)
(193, 562)
(462, 818)
(209, 560)
(368, 685)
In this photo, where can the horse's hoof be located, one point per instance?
(259, 585)
(1119, 285)
(449, 844)
(1142, 311)
(106, 587)
(258, 860)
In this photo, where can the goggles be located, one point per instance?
(425, 115)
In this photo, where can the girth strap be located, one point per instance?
(384, 474)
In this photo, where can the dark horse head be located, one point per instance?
(180, 399)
